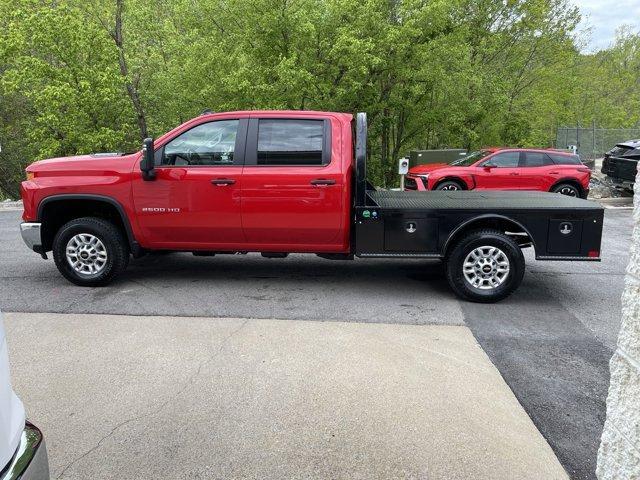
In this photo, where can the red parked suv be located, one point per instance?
(506, 169)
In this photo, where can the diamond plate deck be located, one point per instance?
(475, 200)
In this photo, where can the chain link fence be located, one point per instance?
(592, 142)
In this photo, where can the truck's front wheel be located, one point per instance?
(485, 266)
(90, 251)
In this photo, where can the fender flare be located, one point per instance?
(133, 244)
(487, 216)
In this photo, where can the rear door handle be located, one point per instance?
(323, 181)
(514, 173)
(223, 181)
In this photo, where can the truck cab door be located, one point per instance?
(500, 171)
(194, 201)
(294, 190)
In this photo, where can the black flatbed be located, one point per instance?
(476, 200)
(428, 224)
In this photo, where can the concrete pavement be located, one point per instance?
(165, 397)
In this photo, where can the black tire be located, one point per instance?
(454, 265)
(567, 189)
(114, 247)
(450, 185)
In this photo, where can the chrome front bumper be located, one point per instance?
(30, 461)
(31, 235)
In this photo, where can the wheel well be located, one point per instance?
(458, 180)
(56, 213)
(569, 181)
(505, 225)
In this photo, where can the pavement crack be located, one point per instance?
(101, 441)
(202, 364)
(157, 410)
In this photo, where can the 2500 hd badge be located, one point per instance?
(160, 210)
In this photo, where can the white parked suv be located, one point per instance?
(23, 454)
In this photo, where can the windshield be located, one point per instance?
(471, 158)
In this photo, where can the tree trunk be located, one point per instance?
(132, 89)
(619, 454)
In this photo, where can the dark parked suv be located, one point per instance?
(621, 163)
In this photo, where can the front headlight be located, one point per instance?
(425, 180)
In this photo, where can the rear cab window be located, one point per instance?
(289, 142)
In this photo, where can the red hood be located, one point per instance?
(79, 164)
(72, 160)
(421, 169)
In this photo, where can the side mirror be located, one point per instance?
(147, 165)
(488, 166)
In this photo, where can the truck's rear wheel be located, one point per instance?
(90, 251)
(485, 266)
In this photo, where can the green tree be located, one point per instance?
(80, 76)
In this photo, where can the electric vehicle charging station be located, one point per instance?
(403, 169)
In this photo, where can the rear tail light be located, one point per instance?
(31, 175)
(593, 254)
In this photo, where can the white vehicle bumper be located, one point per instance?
(30, 461)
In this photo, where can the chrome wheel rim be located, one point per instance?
(569, 191)
(486, 268)
(86, 254)
(450, 187)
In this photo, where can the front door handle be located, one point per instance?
(223, 181)
(514, 173)
(323, 181)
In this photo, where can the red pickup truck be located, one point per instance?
(278, 182)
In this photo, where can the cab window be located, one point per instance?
(291, 142)
(208, 144)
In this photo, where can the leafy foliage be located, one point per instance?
(79, 76)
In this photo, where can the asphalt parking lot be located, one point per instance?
(551, 341)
